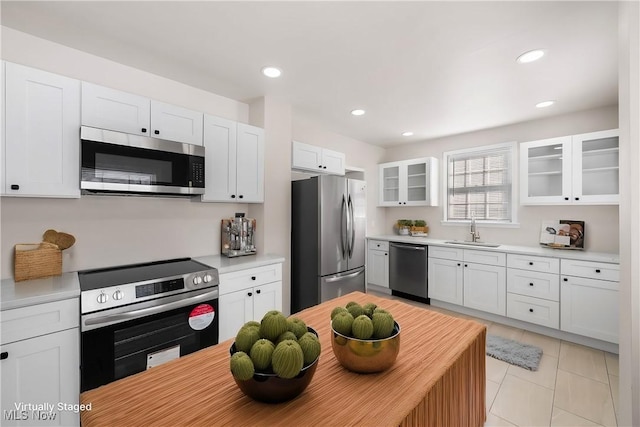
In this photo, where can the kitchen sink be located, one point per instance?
(461, 242)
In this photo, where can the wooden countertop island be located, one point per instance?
(437, 380)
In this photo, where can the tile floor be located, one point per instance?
(573, 386)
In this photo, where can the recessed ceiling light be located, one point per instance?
(407, 133)
(532, 55)
(272, 72)
(545, 104)
(358, 112)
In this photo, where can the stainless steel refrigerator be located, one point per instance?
(328, 222)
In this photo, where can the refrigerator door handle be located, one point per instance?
(344, 227)
(352, 228)
(345, 277)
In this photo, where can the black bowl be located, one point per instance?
(270, 388)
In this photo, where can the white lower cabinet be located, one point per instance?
(590, 305)
(533, 289)
(485, 288)
(445, 280)
(247, 295)
(40, 369)
(378, 263)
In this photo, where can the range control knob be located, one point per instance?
(197, 280)
(118, 294)
(207, 278)
(102, 298)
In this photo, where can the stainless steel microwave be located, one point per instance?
(121, 163)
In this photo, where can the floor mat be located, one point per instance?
(524, 355)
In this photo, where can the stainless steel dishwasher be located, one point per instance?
(408, 270)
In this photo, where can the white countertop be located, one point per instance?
(526, 250)
(228, 265)
(66, 286)
(38, 291)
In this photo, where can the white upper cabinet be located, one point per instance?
(234, 164)
(578, 169)
(112, 109)
(317, 159)
(42, 134)
(408, 183)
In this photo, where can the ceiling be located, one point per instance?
(433, 68)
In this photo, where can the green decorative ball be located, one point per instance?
(342, 322)
(382, 325)
(338, 310)
(287, 360)
(286, 336)
(252, 323)
(369, 308)
(380, 310)
(273, 325)
(310, 346)
(362, 327)
(355, 310)
(350, 303)
(241, 366)
(247, 336)
(296, 326)
(261, 354)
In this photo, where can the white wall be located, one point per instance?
(601, 222)
(358, 154)
(114, 230)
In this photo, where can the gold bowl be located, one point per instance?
(366, 356)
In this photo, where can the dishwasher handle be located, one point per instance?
(409, 247)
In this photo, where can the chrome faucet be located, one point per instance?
(475, 234)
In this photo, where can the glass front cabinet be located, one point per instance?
(409, 183)
(577, 169)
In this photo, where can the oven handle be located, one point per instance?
(135, 314)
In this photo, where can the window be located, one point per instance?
(479, 183)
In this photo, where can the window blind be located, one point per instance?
(479, 184)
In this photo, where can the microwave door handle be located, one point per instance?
(135, 314)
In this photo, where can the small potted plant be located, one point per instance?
(419, 226)
(404, 226)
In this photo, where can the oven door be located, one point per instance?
(126, 340)
(118, 162)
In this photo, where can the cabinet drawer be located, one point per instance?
(533, 263)
(485, 257)
(534, 284)
(382, 245)
(589, 269)
(533, 310)
(28, 322)
(445, 252)
(239, 280)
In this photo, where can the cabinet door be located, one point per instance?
(545, 171)
(446, 280)
(485, 288)
(306, 157)
(333, 162)
(42, 145)
(266, 298)
(176, 123)
(112, 109)
(589, 307)
(596, 168)
(45, 369)
(249, 164)
(418, 182)
(378, 268)
(392, 181)
(220, 159)
(236, 309)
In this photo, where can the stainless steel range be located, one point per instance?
(135, 317)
